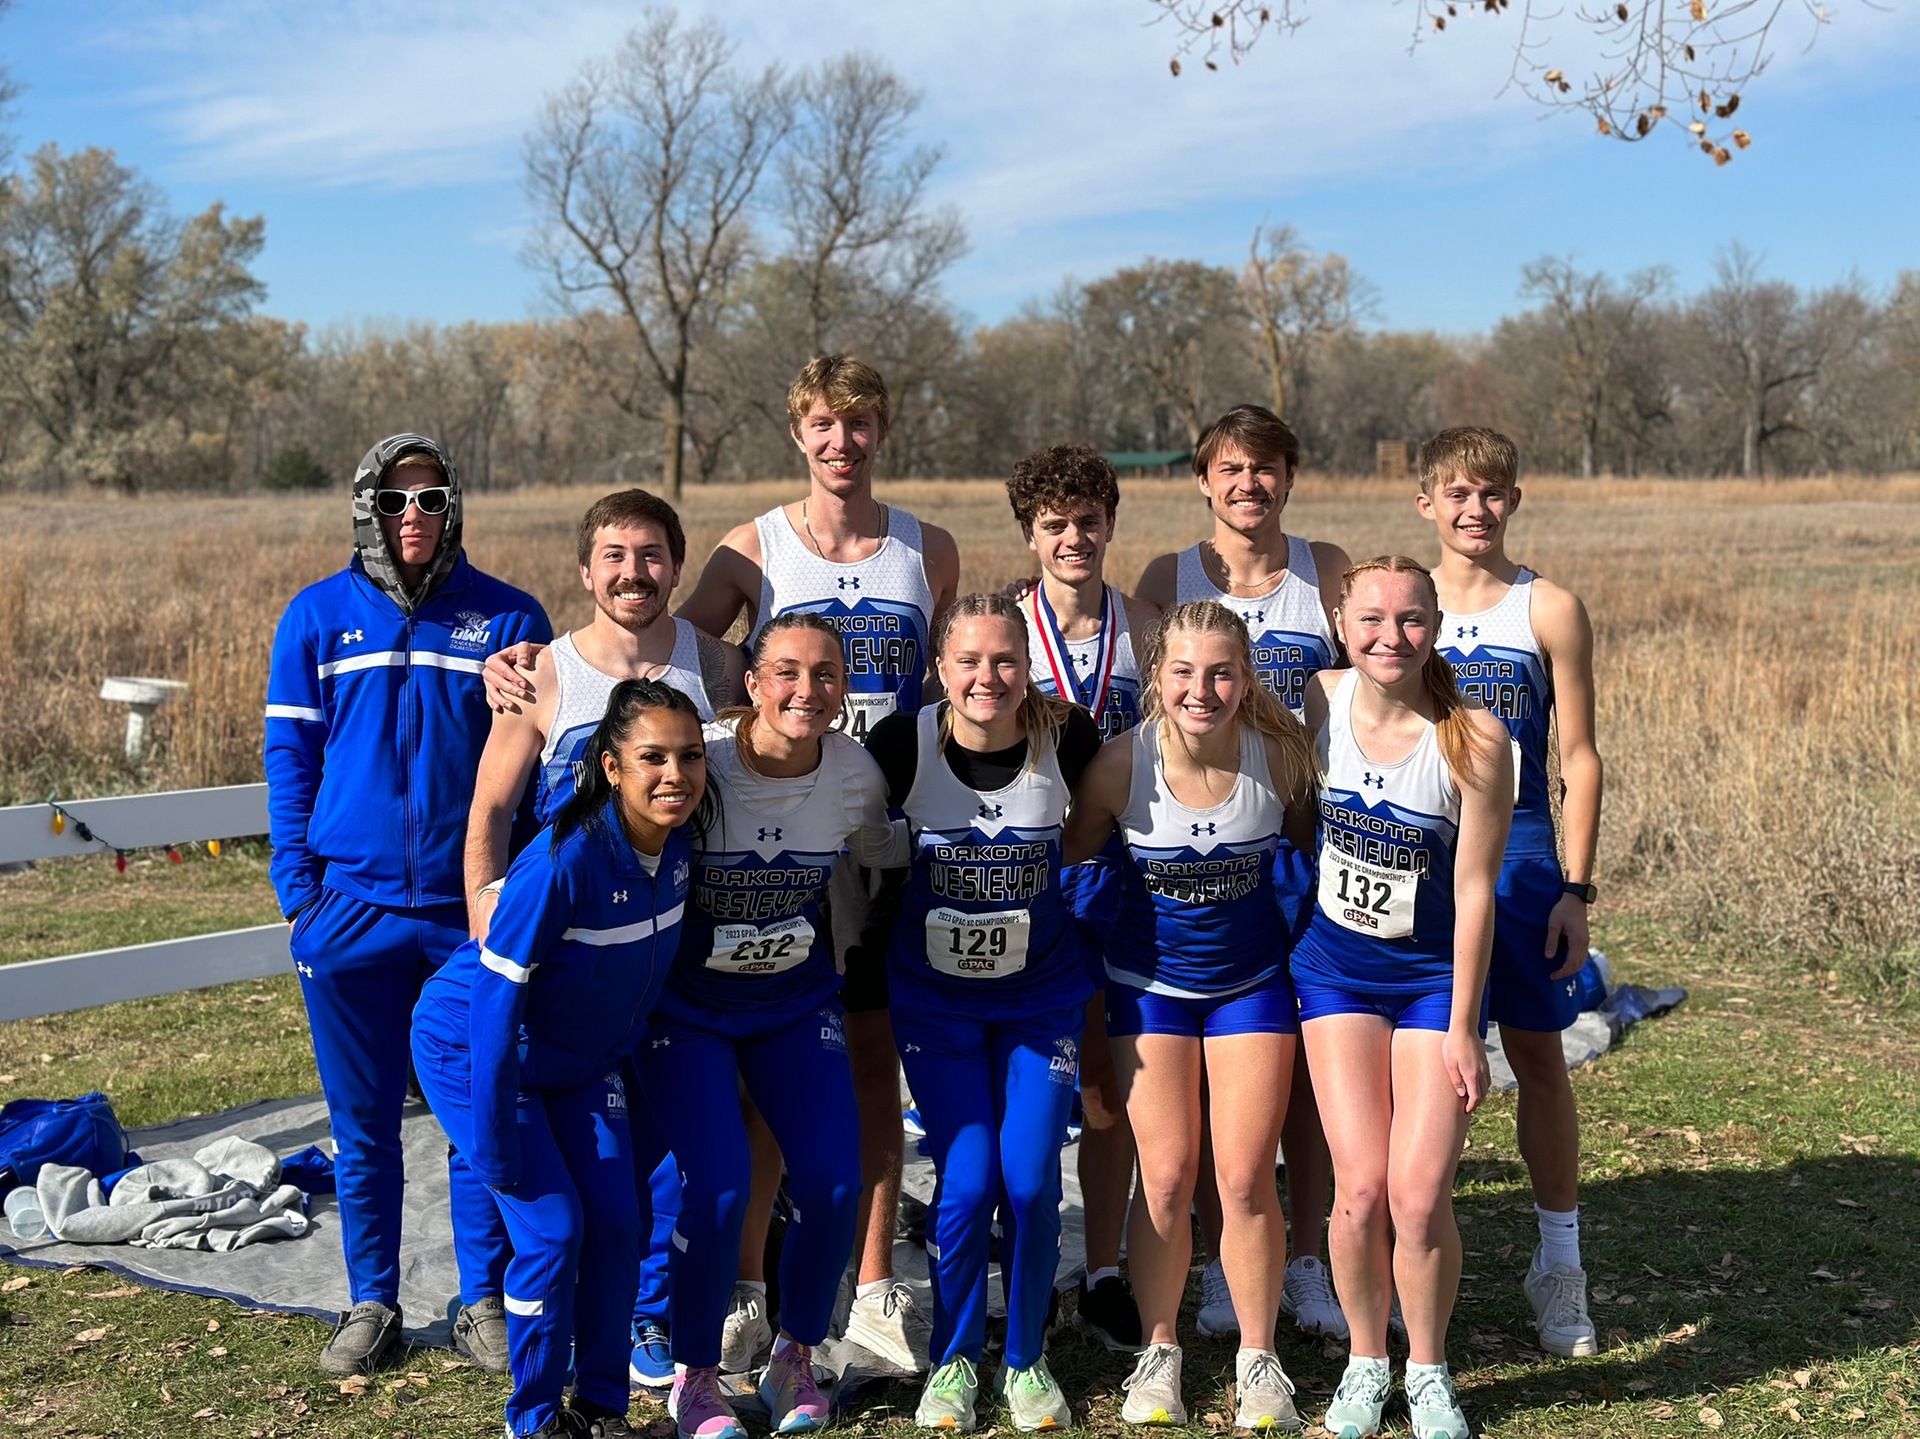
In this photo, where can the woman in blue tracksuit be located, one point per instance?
(989, 990)
(518, 1042)
(754, 993)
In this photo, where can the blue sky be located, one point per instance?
(381, 141)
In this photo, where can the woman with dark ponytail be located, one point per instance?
(1415, 800)
(518, 1044)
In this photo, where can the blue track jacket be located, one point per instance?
(375, 723)
(580, 945)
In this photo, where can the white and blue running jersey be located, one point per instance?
(983, 924)
(581, 703)
(1496, 658)
(1120, 707)
(1292, 640)
(1383, 918)
(755, 951)
(1198, 918)
(882, 606)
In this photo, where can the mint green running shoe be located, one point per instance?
(1354, 1412)
(1034, 1398)
(948, 1400)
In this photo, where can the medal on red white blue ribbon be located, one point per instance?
(1066, 681)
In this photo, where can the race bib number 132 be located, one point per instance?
(1364, 897)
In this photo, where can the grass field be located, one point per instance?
(1751, 1161)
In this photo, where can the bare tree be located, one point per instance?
(1763, 344)
(1178, 326)
(854, 197)
(1296, 299)
(644, 169)
(1596, 322)
(1636, 65)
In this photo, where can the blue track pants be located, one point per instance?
(994, 1096)
(656, 1180)
(574, 1221)
(798, 1077)
(361, 967)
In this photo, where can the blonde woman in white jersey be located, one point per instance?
(1284, 588)
(1416, 796)
(882, 578)
(1206, 792)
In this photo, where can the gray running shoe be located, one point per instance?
(890, 1326)
(366, 1335)
(746, 1334)
(1559, 1299)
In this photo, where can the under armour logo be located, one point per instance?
(1461, 632)
(1368, 779)
(619, 896)
(773, 834)
(1082, 661)
(1255, 617)
(348, 637)
(910, 1049)
(848, 582)
(305, 969)
(990, 811)
(661, 1043)
(1208, 828)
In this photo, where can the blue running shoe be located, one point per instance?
(651, 1366)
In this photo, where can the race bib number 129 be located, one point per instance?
(1364, 897)
(978, 946)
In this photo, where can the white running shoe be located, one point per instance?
(890, 1326)
(745, 1334)
(1354, 1412)
(1153, 1389)
(1306, 1294)
(1559, 1299)
(1432, 1406)
(1216, 1319)
(1263, 1394)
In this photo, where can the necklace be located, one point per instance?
(881, 525)
(1211, 552)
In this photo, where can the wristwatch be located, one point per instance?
(1585, 893)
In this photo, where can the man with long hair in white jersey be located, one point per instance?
(881, 578)
(631, 549)
(1284, 588)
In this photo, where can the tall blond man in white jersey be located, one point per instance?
(1285, 588)
(882, 578)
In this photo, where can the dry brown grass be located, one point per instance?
(1759, 661)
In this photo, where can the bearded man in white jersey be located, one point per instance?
(882, 578)
(1285, 588)
(631, 549)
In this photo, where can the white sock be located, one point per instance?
(1094, 1276)
(1367, 1360)
(758, 1286)
(1414, 1371)
(872, 1287)
(1559, 1237)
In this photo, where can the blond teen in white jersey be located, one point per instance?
(1523, 646)
(1284, 589)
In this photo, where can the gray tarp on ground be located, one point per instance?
(309, 1277)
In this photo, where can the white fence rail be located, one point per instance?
(136, 971)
